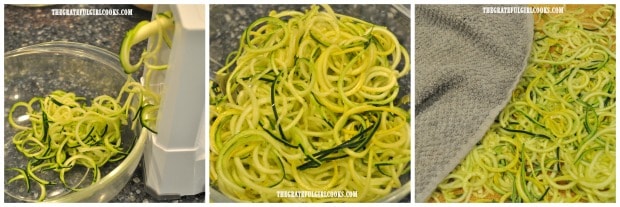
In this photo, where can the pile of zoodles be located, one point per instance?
(65, 131)
(555, 141)
(307, 103)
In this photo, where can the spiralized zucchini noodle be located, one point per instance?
(158, 31)
(309, 103)
(64, 131)
(555, 141)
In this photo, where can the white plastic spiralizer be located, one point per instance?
(174, 158)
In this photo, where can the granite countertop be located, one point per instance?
(227, 23)
(24, 26)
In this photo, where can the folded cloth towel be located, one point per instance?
(467, 63)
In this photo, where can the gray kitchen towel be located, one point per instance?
(467, 63)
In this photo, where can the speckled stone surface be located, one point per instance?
(227, 23)
(24, 26)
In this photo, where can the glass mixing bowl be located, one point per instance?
(88, 71)
(227, 23)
